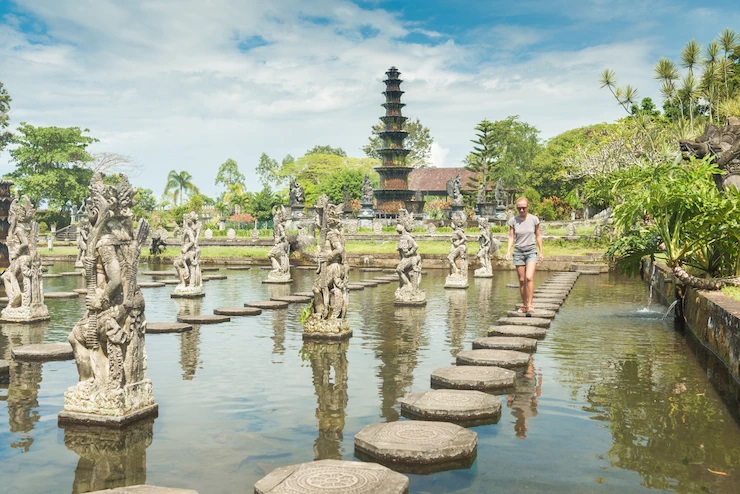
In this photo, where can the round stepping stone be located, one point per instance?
(304, 268)
(238, 268)
(543, 306)
(61, 295)
(159, 273)
(168, 281)
(520, 331)
(517, 343)
(525, 321)
(214, 277)
(367, 283)
(4, 371)
(203, 269)
(512, 285)
(452, 405)
(390, 277)
(553, 289)
(473, 377)
(81, 291)
(54, 275)
(355, 286)
(150, 284)
(237, 311)
(536, 301)
(267, 304)
(416, 442)
(203, 319)
(371, 270)
(47, 263)
(292, 299)
(382, 281)
(71, 273)
(546, 314)
(333, 477)
(43, 352)
(498, 358)
(167, 327)
(303, 294)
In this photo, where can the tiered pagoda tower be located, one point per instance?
(394, 190)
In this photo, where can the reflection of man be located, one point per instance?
(523, 402)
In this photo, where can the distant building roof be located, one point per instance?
(434, 180)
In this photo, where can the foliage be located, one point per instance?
(178, 184)
(267, 171)
(242, 218)
(5, 136)
(229, 174)
(50, 164)
(144, 202)
(260, 204)
(435, 208)
(110, 163)
(333, 185)
(419, 141)
(327, 150)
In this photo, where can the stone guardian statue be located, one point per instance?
(458, 257)
(409, 264)
(279, 254)
(484, 250)
(188, 263)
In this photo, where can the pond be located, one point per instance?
(613, 401)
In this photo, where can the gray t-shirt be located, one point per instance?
(524, 237)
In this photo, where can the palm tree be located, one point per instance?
(710, 79)
(178, 184)
(690, 58)
(690, 88)
(728, 40)
(666, 71)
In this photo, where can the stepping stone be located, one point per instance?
(473, 377)
(267, 304)
(203, 319)
(214, 277)
(3, 300)
(554, 288)
(54, 275)
(333, 476)
(4, 371)
(266, 268)
(167, 327)
(203, 269)
(551, 293)
(303, 294)
(547, 314)
(61, 295)
(43, 352)
(512, 285)
(498, 358)
(71, 273)
(81, 291)
(389, 277)
(452, 405)
(382, 281)
(159, 273)
(519, 331)
(150, 284)
(537, 301)
(47, 263)
(305, 268)
(292, 299)
(237, 311)
(371, 270)
(168, 281)
(238, 268)
(355, 286)
(543, 306)
(145, 489)
(525, 321)
(367, 283)
(517, 343)
(416, 442)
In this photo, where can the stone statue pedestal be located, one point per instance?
(483, 273)
(486, 209)
(460, 279)
(296, 211)
(455, 211)
(88, 404)
(500, 214)
(27, 314)
(408, 296)
(276, 277)
(188, 292)
(316, 328)
(366, 216)
(416, 208)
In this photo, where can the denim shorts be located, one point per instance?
(524, 257)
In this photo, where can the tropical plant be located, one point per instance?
(178, 183)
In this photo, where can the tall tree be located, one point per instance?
(51, 164)
(5, 100)
(482, 158)
(728, 40)
(178, 184)
(327, 150)
(419, 141)
(268, 171)
(229, 174)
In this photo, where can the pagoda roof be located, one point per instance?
(433, 181)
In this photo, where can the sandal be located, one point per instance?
(523, 309)
(530, 311)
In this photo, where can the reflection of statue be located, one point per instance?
(409, 264)
(456, 192)
(108, 341)
(23, 403)
(297, 196)
(484, 250)
(22, 279)
(367, 191)
(458, 257)
(330, 291)
(188, 263)
(456, 316)
(82, 234)
(723, 145)
(279, 254)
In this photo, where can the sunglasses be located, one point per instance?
(522, 208)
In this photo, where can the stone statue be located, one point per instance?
(409, 264)
(82, 234)
(188, 263)
(108, 341)
(484, 250)
(297, 195)
(480, 198)
(458, 257)
(367, 191)
(279, 254)
(158, 244)
(456, 192)
(22, 279)
(723, 145)
(328, 318)
(498, 193)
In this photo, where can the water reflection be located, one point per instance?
(189, 340)
(457, 314)
(329, 368)
(486, 295)
(109, 458)
(523, 402)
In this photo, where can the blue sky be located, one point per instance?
(187, 84)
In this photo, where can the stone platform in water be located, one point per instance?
(292, 299)
(150, 284)
(170, 281)
(237, 311)
(145, 489)
(211, 277)
(525, 321)
(367, 283)
(333, 477)
(43, 352)
(267, 304)
(452, 405)
(518, 343)
(498, 358)
(238, 268)
(518, 331)
(303, 294)
(389, 277)
(111, 421)
(4, 371)
(550, 292)
(70, 273)
(61, 295)
(416, 442)
(303, 268)
(203, 319)
(51, 275)
(159, 273)
(545, 314)
(167, 327)
(473, 377)
(81, 291)
(204, 269)
(543, 306)
(547, 300)
(355, 286)
(383, 281)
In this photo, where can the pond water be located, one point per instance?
(614, 400)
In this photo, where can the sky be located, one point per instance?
(187, 84)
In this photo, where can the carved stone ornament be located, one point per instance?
(279, 254)
(409, 264)
(458, 256)
(187, 263)
(723, 145)
(484, 250)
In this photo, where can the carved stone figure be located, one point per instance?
(367, 191)
(82, 234)
(480, 197)
(498, 193)
(723, 145)
(484, 250)
(409, 264)
(328, 317)
(188, 263)
(458, 257)
(297, 195)
(279, 254)
(22, 279)
(158, 244)
(108, 341)
(456, 192)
